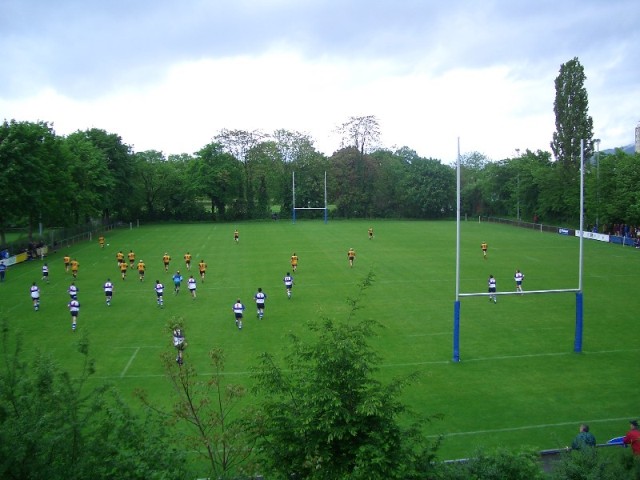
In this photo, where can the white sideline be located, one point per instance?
(542, 425)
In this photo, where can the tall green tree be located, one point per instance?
(617, 182)
(239, 143)
(92, 179)
(268, 172)
(388, 199)
(429, 189)
(571, 108)
(33, 174)
(471, 180)
(121, 164)
(217, 176)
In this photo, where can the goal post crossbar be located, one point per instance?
(524, 292)
(294, 209)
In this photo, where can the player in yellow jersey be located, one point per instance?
(484, 247)
(67, 262)
(123, 270)
(370, 233)
(351, 255)
(294, 262)
(187, 260)
(236, 235)
(75, 265)
(101, 241)
(141, 268)
(165, 260)
(203, 269)
(132, 259)
(119, 258)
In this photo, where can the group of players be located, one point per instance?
(74, 304)
(128, 262)
(518, 277)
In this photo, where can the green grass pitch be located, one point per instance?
(519, 383)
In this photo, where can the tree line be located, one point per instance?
(69, 180)
(53, 180)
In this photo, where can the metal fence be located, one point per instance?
(54, 238)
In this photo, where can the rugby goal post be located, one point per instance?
(577, 344)
(293, 203)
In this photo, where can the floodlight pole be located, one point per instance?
(577, 344)
(456, 304)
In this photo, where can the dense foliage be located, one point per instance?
(53, 426)
(93, 176)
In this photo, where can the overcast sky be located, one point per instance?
(168, 75)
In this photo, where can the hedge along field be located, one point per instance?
(519, 383)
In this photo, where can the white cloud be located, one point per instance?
(169, 79)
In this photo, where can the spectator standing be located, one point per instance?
(584, 438)
(633, 437)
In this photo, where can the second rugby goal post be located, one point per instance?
(295, 209)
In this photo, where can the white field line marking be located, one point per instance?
(543, 425)
(393, 365)
(429, 334)
(135, 352)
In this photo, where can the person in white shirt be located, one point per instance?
(492, 289)
(179, 343)
(518, 277)
(260, 298)
(35, 296)
(159, 294)
(74, 309)
(73, 291)
(238, 310)
(191, 285)
(288, 283)
(108, 291)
